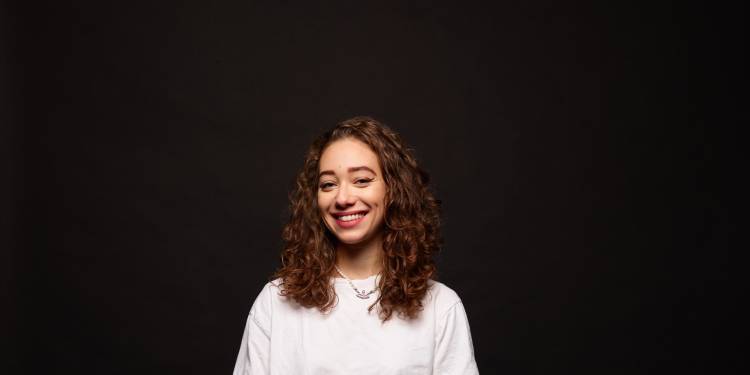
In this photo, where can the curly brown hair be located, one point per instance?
(411, 234)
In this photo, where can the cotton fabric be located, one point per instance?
(282, 337)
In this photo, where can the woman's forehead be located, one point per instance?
(348, 153)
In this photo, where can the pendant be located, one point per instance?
(363, 295)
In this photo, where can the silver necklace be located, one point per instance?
(360, 293)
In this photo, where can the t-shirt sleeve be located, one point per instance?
(255, 348)
(454, 351)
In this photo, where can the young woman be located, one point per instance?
(355, 293)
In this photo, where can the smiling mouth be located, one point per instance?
(350, 216)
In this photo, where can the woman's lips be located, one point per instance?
(349, 220)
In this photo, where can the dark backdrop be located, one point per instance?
(582, 152)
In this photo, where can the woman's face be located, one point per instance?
(351, 191)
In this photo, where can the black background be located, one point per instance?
(585, 154)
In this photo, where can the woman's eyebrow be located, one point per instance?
(362, 168)
(351, 169)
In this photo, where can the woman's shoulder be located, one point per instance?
(274, 284)
(267, 295)
(270, 290)
(441, 296)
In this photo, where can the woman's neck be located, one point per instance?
(360, 261)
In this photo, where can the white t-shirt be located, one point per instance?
(283, 338)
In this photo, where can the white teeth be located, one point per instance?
(351, 217)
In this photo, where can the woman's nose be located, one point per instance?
(344, 197)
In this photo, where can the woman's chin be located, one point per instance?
(353, 239)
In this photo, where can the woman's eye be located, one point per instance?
(363, 181)
(326, 185)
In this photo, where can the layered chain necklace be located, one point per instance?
(360, 293)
